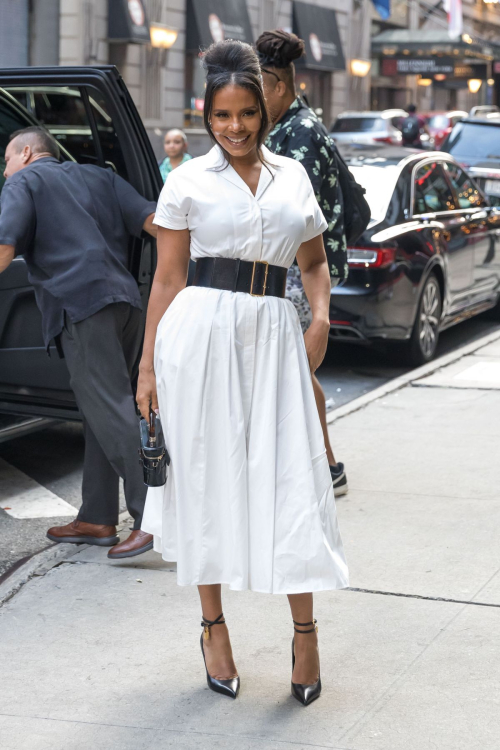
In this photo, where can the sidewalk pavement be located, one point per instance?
(106, 655)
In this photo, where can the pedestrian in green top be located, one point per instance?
(175, 145)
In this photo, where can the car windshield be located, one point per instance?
(474, 140)
(379, 183)
(438, 121)
(358, 124)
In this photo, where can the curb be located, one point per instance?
(40, 563)
(409, 377)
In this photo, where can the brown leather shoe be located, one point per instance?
(137, 543)
(79, 532)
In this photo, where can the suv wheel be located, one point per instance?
(424, 338)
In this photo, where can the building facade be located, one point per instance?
(415, 58)
(167, 84)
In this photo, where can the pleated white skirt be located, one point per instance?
(249, 499)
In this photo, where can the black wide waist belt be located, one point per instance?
(257, 278)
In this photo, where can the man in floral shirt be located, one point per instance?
(299, 134)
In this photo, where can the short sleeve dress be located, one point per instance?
(249, 500)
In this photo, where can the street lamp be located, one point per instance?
(162, 36)
(424, 81)
(474, 84)
(360, 68)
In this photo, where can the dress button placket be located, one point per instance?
(252, 312)
(257, 215)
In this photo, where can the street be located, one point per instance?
(52, 458)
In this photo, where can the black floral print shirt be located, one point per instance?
(300, 135)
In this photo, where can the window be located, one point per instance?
(194, 91)
(111, 149)
(432, 192)
(314, 86)
(62, 110)
(358, 124)
(379, 183)
(474, 141)
(22, 97)
(467, 193)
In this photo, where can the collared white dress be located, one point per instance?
(249, 499)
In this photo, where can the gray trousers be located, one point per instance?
(101, 353)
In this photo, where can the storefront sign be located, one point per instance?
(127, 22)
(211, 21)
(392, 66)
(471, 71)
(317, 26)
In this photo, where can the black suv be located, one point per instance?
(91, 113)
(475, 143)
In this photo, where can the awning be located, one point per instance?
(211, 21)
(127, 22)
(317, 26)
(397, 42)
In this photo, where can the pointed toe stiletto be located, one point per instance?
(229, 687)
(305, 694)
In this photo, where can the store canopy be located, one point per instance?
(211, 21)
(317, 26)
(432, 41)
(127, 22)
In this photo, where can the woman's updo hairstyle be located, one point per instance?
(234, 63)
(278, 49)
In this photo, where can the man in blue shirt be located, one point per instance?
(72, 224)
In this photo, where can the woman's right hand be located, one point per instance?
(146, 396)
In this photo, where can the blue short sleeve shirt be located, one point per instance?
(72, 224)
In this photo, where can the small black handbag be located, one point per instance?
(153, 454)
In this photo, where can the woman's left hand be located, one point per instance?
(316, 340)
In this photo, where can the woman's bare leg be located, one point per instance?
(306, 670)
(218, 653)
(320, 404)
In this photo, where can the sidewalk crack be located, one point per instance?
(392, 689)
(425, 598)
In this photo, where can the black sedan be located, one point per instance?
(429, 257)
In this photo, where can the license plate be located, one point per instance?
(492, 187)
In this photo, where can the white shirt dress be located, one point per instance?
(248, 500)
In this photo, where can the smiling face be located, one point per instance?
(236, 120)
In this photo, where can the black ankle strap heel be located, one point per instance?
(225, 687)
(305, 694)
(314, 624)
(207, 624)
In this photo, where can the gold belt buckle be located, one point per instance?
(266, 264)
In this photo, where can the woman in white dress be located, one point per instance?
(249, 499)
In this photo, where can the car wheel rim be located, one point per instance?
(429, 319)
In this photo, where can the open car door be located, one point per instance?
(91, 114)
